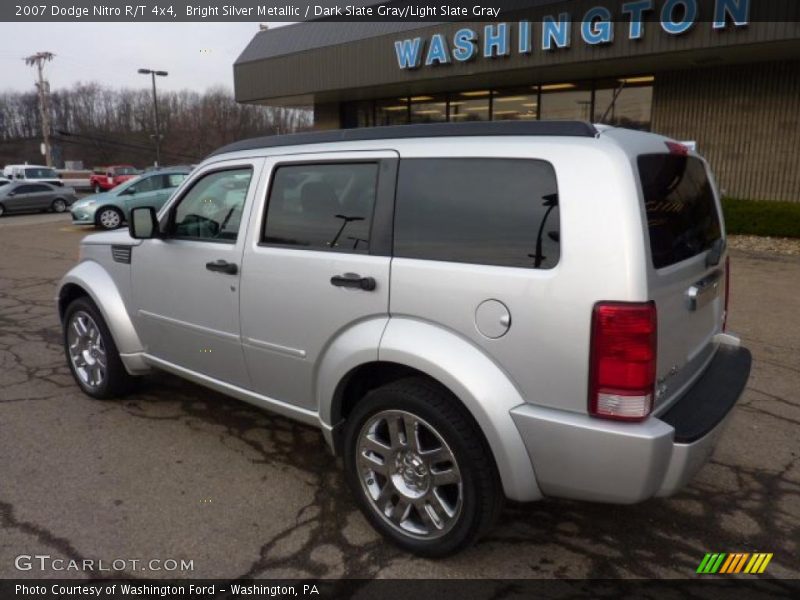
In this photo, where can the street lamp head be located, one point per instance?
(145, 71)
(162, 73)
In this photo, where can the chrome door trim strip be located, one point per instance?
(199, 328)
(262, 345)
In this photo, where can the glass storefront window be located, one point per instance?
(520, 104)
(393, 111)
(470, 106)
(429, 109)
(624, 102)
(364, 114)
(566, 101)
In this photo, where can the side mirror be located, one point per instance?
(143, 224)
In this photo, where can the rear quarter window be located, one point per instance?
(682, 216)
(487, 211)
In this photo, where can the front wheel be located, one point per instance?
(59, 205)
(420, 468)
(109, 218)
(92, 355)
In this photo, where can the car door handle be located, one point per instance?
(352, 280)
(222, 266)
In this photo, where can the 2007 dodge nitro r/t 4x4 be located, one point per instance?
(469, 312)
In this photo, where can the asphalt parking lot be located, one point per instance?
(179, 472)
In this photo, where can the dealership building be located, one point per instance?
(722, 73)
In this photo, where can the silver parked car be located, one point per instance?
(469, 312)
(31, 197)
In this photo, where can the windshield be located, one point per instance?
(40, 173)
(125, 171)
(124, 186)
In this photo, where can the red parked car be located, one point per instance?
(108, 178)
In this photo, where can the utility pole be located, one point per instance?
(157, 136)
(43, 86)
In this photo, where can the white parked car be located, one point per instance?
(33, 174)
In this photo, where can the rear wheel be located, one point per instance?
(109, 217)
(92, 355)
(2, 210)
(420, 468)
(59, 205)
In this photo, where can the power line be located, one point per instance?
(101, 140)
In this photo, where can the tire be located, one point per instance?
(84, 324)
(449, 447)
(2, 210)
(59, 205)
(108, 218)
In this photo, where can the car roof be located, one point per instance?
(403, 137)
(425, 130)
(30, 182)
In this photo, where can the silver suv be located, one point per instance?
(468, 312)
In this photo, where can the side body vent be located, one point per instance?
(121, 254)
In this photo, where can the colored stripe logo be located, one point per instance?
(736, 562)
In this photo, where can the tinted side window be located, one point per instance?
(38, 188)
(322, 207)
(478, 210)
(212, 209)
(26, 189)
(681, 210)
(148, 184)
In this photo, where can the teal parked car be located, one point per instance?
(108, 210)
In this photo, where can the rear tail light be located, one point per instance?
(677, 149)
(727, 292)
(622, 364)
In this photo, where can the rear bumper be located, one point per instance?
(577, 456)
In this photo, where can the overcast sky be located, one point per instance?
(196, 55)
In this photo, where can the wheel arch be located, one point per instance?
(90, 279)
(459, 367)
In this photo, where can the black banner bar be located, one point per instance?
(423, 11)
(402, 589)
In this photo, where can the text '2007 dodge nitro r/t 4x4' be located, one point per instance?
(469, 312)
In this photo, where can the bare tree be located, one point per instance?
(100, 125)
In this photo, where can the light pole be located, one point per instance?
(153, 74)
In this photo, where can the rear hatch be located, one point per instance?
(687, 275)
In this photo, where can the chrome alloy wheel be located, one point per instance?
(109, 218)
(87, 351)
(409, 474)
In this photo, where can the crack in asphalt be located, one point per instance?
(43, 535)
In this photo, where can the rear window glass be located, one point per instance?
(682, 216)
(478, 210)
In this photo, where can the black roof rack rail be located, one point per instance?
(492, 128)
